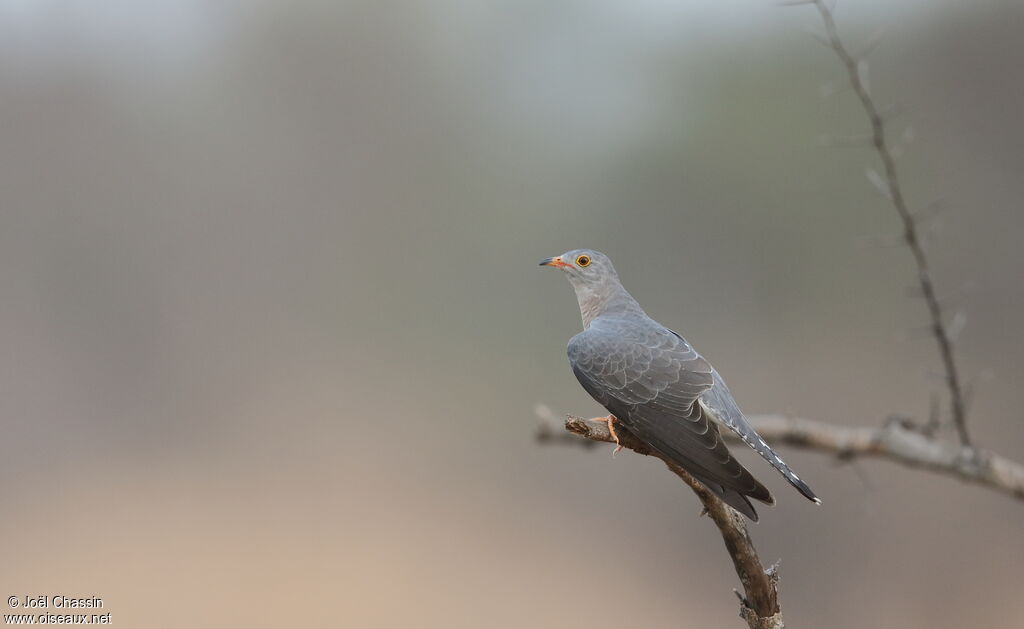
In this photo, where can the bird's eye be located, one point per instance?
(583, 261)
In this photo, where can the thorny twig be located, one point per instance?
(889, 182)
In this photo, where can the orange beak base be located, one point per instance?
(556, 262)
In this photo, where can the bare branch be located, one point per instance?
(898, 440)
(900, 443)
(889, 183)
(759, 605)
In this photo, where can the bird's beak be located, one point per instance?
(556, 262)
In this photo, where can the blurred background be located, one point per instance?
(274, 329)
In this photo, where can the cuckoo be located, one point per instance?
(655, 385)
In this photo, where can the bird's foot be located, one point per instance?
(610, 420)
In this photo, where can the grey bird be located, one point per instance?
(658, 387)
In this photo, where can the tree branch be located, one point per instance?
(898, 442)
(759, 605)
(890, 185)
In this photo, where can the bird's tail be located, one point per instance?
(724, 410)
(758, 444)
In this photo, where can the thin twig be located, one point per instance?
(759, 604)
(894, 192)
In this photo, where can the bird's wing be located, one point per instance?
(719, 402)
(650, 379)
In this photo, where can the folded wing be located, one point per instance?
(651, 380)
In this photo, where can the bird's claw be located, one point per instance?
(611, 430)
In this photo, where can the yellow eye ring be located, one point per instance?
(583, 261)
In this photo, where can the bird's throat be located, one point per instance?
(601, 300)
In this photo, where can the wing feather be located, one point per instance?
(651, 380)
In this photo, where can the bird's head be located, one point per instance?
(585, 268)
(596, 283)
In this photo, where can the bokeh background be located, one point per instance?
(273, 330)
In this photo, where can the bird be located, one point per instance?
(656, 385)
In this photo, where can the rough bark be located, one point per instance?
(759, 604)
(899, 442)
